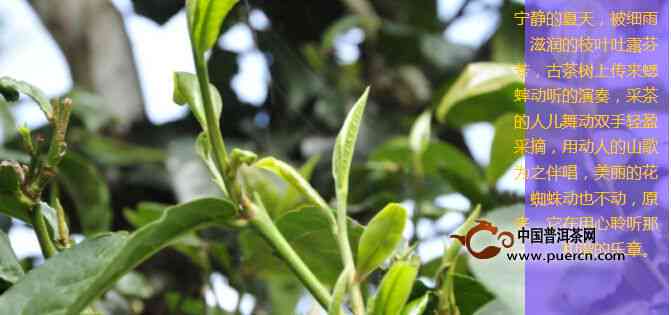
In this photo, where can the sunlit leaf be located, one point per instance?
(420, 134)
(380, 238)
(68, 282)
(483, 92)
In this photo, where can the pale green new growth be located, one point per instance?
(395, 288)
(380, 238)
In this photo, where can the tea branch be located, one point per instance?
(43, 170)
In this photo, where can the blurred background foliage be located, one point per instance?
(312, 58)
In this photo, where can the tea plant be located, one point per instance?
(334, 257)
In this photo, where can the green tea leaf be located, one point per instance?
(205, 20)
(10, 269)
(186, 91)
(68, 282)
(10, 89)
(380, 238)
(395, 288)
(470, 295)
(89, 191)
(294, 178)
(420, 134)
(482, 92)
(502, 155)
(308, 231)
(417, 306)
(344, 148)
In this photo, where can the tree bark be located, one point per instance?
(93, 39)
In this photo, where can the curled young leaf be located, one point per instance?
(205, 19)
(186, 91)
(10, 89)
(420, 134)
(395, 287)
(380, 238)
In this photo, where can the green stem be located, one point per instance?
(347, 258)
(264, 225)
(213, 132)
(47, 246)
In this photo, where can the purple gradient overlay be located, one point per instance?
(639, 285)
